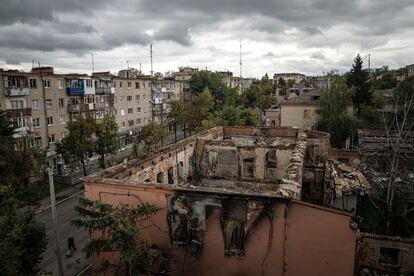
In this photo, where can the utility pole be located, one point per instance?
(241, 69)
(152, 72)
(55, 230)
(93, 63)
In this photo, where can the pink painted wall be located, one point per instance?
(311, 241)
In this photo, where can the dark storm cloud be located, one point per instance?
(80, 26)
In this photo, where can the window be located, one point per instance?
(248, 168)
(130, 111)
(123, 124)
(138, 122)
(121, 98)
(62, 119)
(389, 256)
(143, 85)
(138, 109)
(145, 121)
(51, 139)
(36, 122)
(160, 177)
(60, 84)
(35, 104)
(61, 102)
(47, 83)
(50, 121)
(129, 98)
(89, 83)
(48, 103)
(122, 112)
(120, 83)
(307, 113)
(17, 104)
(137, 85)
(130, 123)
(137, 98)
(129, 85)
(33, 83)
(170, 175)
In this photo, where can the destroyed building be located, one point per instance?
(384, 255)
(232, 202)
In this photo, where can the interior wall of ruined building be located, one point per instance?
(237, 235)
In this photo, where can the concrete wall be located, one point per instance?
(281, 238)
(293, 115)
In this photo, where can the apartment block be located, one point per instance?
(133, 105)
(163, 91)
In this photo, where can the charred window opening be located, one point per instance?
(389, 256)
(271, 163)
(248, 171)
(306, 191)
(234, 220)
(181, 171)
(170, 175)
(234, 238)
(178, 220)
(179, 228)
(160, 177)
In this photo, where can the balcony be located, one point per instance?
(75, 107)
(75, 91)
(16, 91)
(104, 90)
(21, 112)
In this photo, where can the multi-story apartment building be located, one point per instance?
(36, 103)
(163, 90)
(133, 104)
(182, 82)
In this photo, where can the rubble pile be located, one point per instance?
(347, 179)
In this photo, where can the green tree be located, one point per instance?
(176, 114)
(222, 94)
(204, 104)
(359, 80)
(332, 111)
(22, 239)
(78, 144)
(117, 230)
(22, 242)
(249, 117)
(107, 141)
(150, 135)
(230, 115)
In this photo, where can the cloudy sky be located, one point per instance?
(307, 36)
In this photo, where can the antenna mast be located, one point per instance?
(152, 72)
(241, 68)
(93, 63)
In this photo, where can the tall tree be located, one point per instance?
(358, 78)
(150, 135)
(333, 116)
(78, 144)
(22, 239)
(106, 133)
(176, 114)
(116, 229)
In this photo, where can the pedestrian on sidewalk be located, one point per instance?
(71, 244)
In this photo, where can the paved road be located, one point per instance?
(65, 213)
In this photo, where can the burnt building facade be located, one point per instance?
(230, 202)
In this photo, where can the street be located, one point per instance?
(65, 213)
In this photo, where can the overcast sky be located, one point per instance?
(307, 36)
